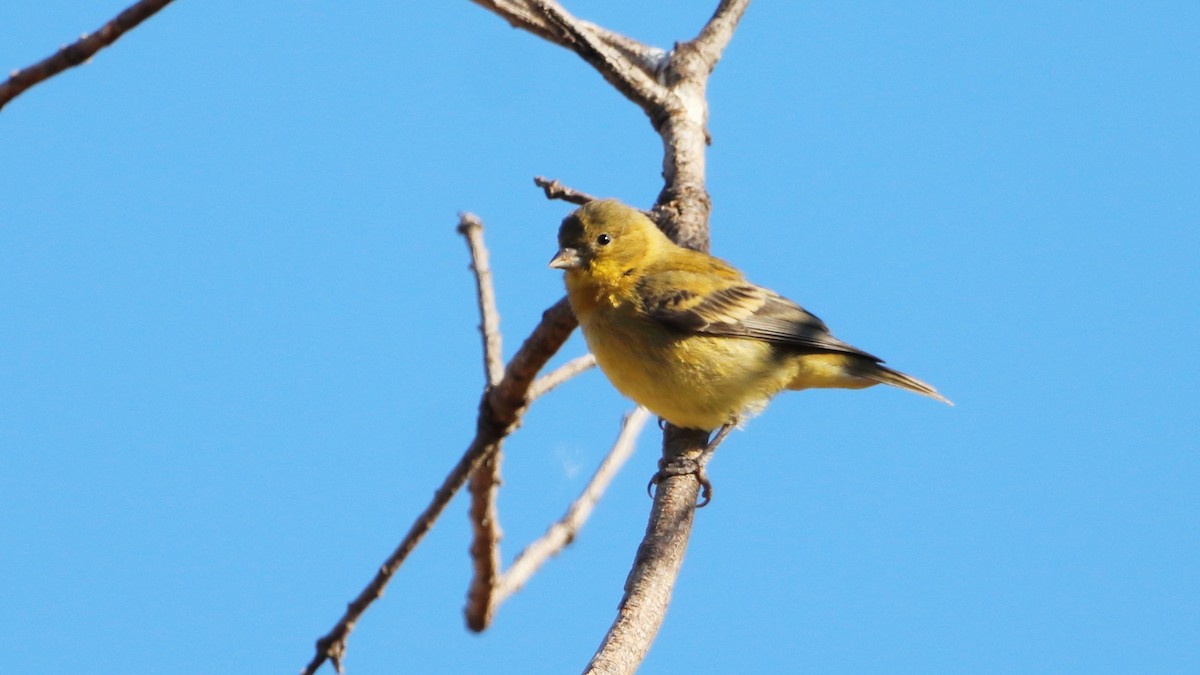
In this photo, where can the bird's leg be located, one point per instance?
(696, 466)
(702, 461)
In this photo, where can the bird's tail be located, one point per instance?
(884, 375)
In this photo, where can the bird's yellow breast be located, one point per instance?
(692, 381)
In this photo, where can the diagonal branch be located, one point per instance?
(530, 15)
(563, 532)
(544, 384)
(717, 33)
(627, 64)
(556, 190)
(627, 77)
(79, 51)
(648, 58)
(332, 646)
(519, 15)
(500, 409)
(486, 595)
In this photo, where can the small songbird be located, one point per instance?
(685, 335)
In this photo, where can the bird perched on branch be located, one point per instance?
(686, 335)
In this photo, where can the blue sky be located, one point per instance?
(238, 346)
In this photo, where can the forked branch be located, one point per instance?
(488, 593)
(629, 65)
(673, 95)
(490, 587)
(500, 409)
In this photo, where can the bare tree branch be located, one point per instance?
(500, 409)
(529, 15)
(485, 480)
(648, 58)
(670, 87)
(656, 566)
(680, 115)
(563, 532)
(544, 384)
(488, 594)
(332, 645)
(624, 75)
(79, 51)
(485, 543)
(490, 586)
(630, 66)
(519, 15)
(556, 190)
(470, 227)
(684, 204)
(507, 400)
(717, 33)
(672, 92)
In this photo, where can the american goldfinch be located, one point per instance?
(686, 335)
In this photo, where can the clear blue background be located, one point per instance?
(238, 347)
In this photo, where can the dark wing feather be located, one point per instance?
(738, 309)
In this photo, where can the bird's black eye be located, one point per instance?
(604, 240)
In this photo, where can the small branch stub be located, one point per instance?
(556, 190)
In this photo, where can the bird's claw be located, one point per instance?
(683, 467)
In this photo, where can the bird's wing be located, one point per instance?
(733, 307)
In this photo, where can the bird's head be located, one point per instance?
(606, 238)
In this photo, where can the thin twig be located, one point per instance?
(625, 75)
(79, 51)
(520, 14)
(500, 409)
(471, 228)
(332, 645)
(544, 384)
(563, 532)
(537, 19)
(556, 190)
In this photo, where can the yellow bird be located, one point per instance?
(686, 335)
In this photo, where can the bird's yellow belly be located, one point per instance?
(692, 381)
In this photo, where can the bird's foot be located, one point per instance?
(683, 467)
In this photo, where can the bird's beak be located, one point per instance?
(565, 259)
